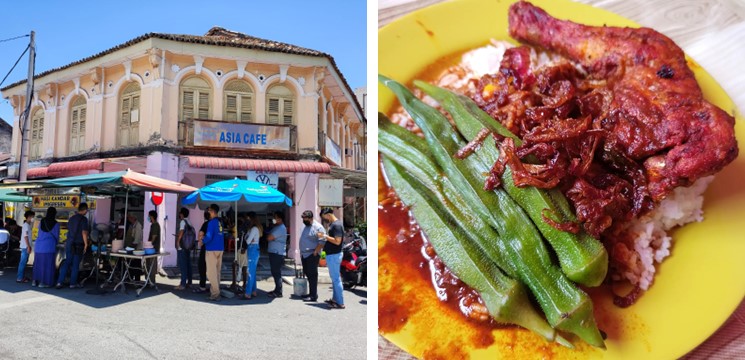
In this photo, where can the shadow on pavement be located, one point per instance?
(321, 306)
(129, 294)
(358, 292)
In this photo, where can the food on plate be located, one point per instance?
(601, 133)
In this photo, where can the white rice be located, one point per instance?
(649, 234)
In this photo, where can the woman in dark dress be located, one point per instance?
(46, 250)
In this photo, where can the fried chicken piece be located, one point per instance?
(658, 115)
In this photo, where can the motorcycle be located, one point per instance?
(354, 263)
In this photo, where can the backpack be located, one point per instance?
(189, 239)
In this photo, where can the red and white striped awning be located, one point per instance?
(205, 162)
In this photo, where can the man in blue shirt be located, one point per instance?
(214, 246)
(277, 239)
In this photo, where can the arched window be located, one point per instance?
(238, 101)
(280, 106)
(195, 104)
(195, 99)
(37, 134)
(77, 125)
(129, 116)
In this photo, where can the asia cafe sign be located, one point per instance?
(241, 136)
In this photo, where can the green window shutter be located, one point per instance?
(231, 108)
(204, 105)
(287, 111)
(187, 105)
(246, 107)
(125, 112)
(272, 116)
(81, 127)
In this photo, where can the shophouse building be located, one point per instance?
(199, 109)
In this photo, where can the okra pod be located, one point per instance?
(505, 299)
(566, 307)
(582, 258)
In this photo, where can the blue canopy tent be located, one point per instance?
(238, 192)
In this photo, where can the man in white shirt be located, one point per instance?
(26, 248)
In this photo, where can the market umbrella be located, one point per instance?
(239, 192)
(10, 195)
(130, 180)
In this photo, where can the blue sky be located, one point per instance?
(71, 30)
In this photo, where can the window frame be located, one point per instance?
(281, 101)
(241, 98)
(75, 131)
(130, 95)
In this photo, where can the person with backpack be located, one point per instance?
(185, 240)
(75, 246)
(202, 262)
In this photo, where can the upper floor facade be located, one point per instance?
(180, 91)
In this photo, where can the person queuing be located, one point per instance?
(333, 239)
(214, 244)
(4, 234)
(252, 245)
(26, 248)
(75, 246)
(4, 246)
(184, 254)
(202, 263)
(46, 250)
(311, 246)
(243, 227)
(154, 238)
(277, 239)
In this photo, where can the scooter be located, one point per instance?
(354, 263)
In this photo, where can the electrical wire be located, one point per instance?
(14, 65)
(14, 38)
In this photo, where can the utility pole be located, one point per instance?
(25, 115)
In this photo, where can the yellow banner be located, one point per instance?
(58, 201)
(62, 233)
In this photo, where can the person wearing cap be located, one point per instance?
(310, 252)
(333, 238)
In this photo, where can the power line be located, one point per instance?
(14, 65)
(14, 38)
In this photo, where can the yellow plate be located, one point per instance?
(696, 289)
